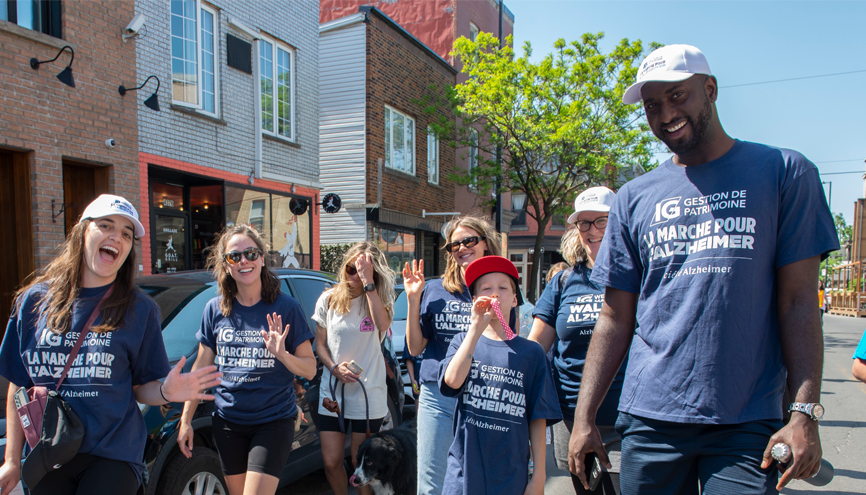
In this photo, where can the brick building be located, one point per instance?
(375, 151)
(53, 151)
(236, 139)
(436, 24)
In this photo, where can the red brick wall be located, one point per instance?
(146, 158)
(53, 122)
(399, 74)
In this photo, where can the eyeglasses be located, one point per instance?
(600, 223)
(250, 253)
(469, 242)
(351, 270)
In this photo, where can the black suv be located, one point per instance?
(181, 298)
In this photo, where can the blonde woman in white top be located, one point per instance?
(351, 322)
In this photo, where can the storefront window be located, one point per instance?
(167, 197)
(170, 234)
(398, 246)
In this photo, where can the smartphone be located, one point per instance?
(21, 397)
(354, 368)
(593, 470)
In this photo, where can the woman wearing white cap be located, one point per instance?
(568, 309)
(122, 359)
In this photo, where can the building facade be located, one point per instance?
(56, 148)
(375, 149)
(236, 139)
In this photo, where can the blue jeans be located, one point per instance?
(435, 435)
(659, 457)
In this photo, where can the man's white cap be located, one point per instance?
(670, 63)
(593, 199)
(108, 204)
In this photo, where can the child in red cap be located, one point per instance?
(506, 396)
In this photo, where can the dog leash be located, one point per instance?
(509, 334)
(340, 416)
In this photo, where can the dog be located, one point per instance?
(387, 462)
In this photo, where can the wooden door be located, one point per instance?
(81, 184)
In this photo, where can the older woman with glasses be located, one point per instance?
(568, 309)
(438, 311)
(260, 340)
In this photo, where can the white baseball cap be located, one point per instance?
(593, 199)
(108, 204)
(670, 63)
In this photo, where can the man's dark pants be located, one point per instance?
(660, 457)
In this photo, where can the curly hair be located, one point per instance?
(226, 285)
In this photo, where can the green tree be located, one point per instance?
(560, 123)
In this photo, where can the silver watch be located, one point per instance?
(812, 409)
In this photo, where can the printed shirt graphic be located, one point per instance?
(256, 387)
(508, 386)
(353, 336)
(444, 315)
(99, 383)
(573, 310)
(701, 245)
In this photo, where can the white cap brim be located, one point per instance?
(632, 95)
(594, 207)
(137, 226)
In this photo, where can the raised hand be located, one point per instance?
(482, 313)
(275, 341)
(364, 265)
(181, 387)
(413, 279)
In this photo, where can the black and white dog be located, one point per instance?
(387, 462)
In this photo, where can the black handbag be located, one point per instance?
(61, 429)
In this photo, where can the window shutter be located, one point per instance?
(239, 54)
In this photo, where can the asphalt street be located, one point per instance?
(843, 431)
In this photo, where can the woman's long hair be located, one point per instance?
(383, 277)
(571, 247)
(62, 278)
(226, 285)
(453, 280)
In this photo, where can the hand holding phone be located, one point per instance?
(593, 470)
(354, 368)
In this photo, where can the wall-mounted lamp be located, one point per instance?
(65, 75)
(152, 102)
(518, 200)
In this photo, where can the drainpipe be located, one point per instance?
(257, 84)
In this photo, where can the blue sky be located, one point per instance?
(748, 42)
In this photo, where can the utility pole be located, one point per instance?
(498, 205)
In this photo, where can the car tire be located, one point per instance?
(199, 475)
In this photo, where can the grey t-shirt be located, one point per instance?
(701, 246)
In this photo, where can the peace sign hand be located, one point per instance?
(274, 340)
(413, 280)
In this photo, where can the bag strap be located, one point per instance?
(81, 337)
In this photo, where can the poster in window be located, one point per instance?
(291, 234)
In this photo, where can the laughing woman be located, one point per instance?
(254, 416)
(93, 274)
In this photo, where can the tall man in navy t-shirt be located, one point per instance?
(715, 253)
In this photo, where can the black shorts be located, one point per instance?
(331, 423)
(87, 473)
(262, 448)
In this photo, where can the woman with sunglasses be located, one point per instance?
(568, 309)
(260, 340)
(122, 360)
(437, 311)
(352, 320)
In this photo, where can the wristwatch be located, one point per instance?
(812, 409)
(369, 287)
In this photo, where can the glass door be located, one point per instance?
(170, 247)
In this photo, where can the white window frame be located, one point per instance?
(390, 148)
(432, 157)
(473, 32)
(199, 6)
(276, 46)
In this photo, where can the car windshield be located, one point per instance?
(181, 308)
(401, 305)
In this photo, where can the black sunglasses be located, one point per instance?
(351, 270)
(469, 242)
(600, 223)
(250, 253)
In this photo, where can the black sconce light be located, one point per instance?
(65, 75)
(152, 102)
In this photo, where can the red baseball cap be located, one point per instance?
(492, 264)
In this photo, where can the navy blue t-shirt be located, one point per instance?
(444, 315)
(700, 245)
(256, 387)
(572, 309)
(416, 360)
(99, 383)
(508, 387)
